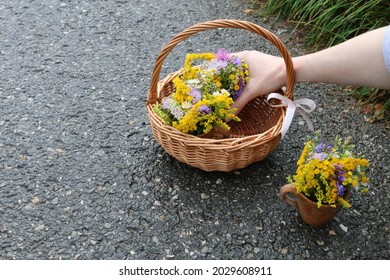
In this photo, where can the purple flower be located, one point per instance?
(319, 156)
(340, 189)
(217, 65)
(223, 55)
(237, 93)
(204, 109)
(196, 95)
(166, 103)
(236, 61)
(339, 176)
(322, 147)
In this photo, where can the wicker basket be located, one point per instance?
(248, 141)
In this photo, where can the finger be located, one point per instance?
(240, 103)
(242, 55)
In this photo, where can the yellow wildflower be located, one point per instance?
(181, 94)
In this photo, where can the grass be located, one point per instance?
(330, 22)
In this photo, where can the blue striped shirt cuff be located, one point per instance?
(386, 48)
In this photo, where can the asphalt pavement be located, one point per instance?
(82, 177)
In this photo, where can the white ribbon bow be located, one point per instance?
(291, 107)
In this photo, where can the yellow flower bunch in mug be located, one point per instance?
(204, 93)
(327, 172)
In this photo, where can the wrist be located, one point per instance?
(281, 74)
(299, 69)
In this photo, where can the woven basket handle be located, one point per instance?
(152, 96)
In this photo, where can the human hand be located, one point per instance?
(266, 75)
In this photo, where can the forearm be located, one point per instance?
(356, 62)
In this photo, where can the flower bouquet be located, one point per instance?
(204, 93)
(324, 178)
(326, 173)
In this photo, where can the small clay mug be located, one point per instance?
(308, 208)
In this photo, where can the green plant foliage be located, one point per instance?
(329, 22)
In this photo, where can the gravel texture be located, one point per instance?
(81, 176)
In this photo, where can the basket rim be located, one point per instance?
(216, 144)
